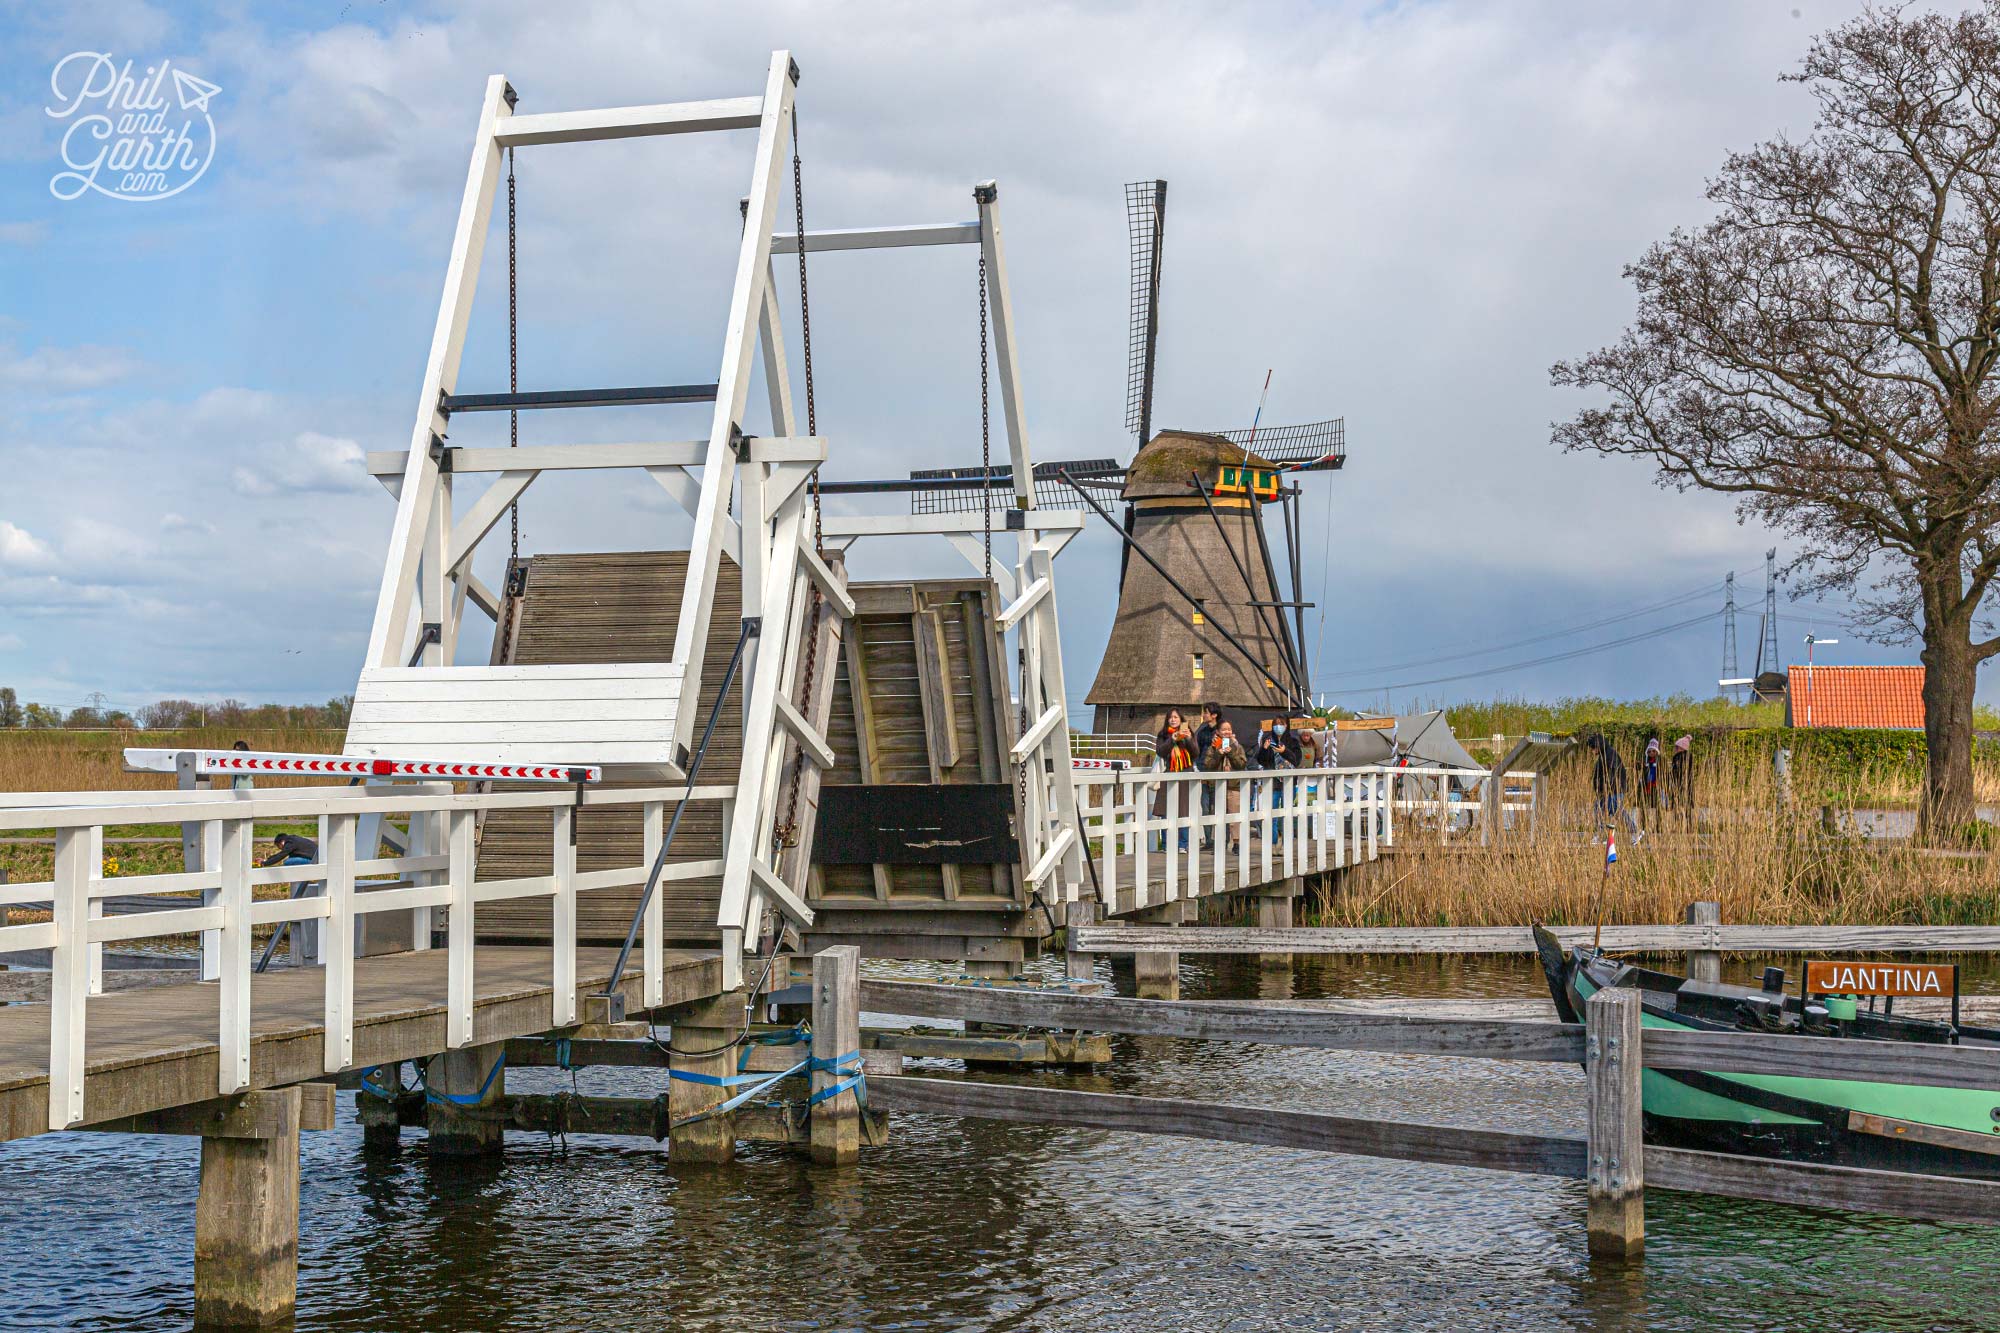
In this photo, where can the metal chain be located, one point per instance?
(510, 615)
(513, 362)
(787, 830)
(985, 431)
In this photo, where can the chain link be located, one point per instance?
(513, 362)
(787, 831)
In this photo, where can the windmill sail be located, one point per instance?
(1146, 216)
(1318, 446)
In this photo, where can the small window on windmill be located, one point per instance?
(1199, 603)
(1198, 675)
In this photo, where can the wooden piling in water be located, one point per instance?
(836, 1034)
(700, 1043)
(1274, 911)
(1616, 1176)
(465, 1085)
(1078, 916)
(246, 1218)
(1704, 964)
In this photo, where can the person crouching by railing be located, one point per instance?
(1225, 754)
(1177, 754)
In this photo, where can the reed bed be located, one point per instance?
(1806, 862)
(59, 760)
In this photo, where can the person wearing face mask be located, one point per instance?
(1225, 755)
(1278, 748)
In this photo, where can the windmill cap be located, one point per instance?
(1160, 469)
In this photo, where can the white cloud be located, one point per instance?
(310, 463)
(23, 233)
(66, 369)
(22, 549)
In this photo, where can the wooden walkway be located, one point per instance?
(151, 1049)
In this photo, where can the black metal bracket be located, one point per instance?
(1017, 520)
(986, 191)
(508, 94)
(739, 443)
(793, 71)
(753, 627)
(517, 578)
(431, 633)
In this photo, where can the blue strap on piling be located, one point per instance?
(855, 1082)
(466, 1099)
(849, 1064)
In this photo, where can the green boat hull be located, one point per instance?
(1808, 1119)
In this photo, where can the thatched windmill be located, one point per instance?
(1200, 614)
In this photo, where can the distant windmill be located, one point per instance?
(1200, 615)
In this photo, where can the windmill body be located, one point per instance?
(1221, 637)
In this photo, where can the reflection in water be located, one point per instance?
(973, 1225)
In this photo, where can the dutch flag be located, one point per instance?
(1610, 846)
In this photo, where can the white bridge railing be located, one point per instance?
(437, 872)
(1160, 837)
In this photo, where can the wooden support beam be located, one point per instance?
(258, 1114)
(246, 1217)
(804, 733)
(647, 1117)
(1032, 738)
(831, 586)
(1494, 1149)
(836, 1036)
(1616, 1179)
(877, 238)
(1011, 614)
(626, 122)
(1222, 1020)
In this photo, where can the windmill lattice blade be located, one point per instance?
(1319, 444)
(1146, 216)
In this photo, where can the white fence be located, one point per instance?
(436, 873)
(1162, 837)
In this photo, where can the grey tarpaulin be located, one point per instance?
(1424, 739)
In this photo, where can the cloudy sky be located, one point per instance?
(1405, 212)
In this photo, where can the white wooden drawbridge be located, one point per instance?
(749, 498)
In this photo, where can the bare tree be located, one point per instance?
(1826, 350)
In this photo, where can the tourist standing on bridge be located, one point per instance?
(1177, 754)
(1607, 778)
(1278, 748)
(1204, 736)
(1225, 754)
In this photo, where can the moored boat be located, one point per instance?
(1847, 1122)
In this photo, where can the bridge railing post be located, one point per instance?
(336, 940)
(69, 979)
(233, 1059)
(562, 931)
(1615, 1171)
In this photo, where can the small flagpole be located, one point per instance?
(1604, 883)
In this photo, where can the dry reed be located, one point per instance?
(1803, 863)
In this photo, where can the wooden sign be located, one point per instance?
(1365, 724)
(1829, 978)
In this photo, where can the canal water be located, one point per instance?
(964, 1224)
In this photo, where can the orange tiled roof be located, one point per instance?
(1858, 696)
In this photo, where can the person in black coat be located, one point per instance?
(1204, 736)
(1607, 779)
